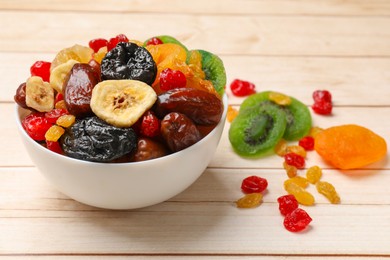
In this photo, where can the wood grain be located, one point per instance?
(294, 47)
(263, 35)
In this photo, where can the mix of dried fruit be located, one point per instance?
(266, 121)
(122, 100)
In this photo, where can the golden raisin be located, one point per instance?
(250, 200)
(328, 190)
(313, 174)
(350, 146)
(314, 131)
(291, 170)
(54, 133)
(279, 98)
(300, 181)
(231, 113)
(281, 148)
(302, 196)
(297, 150)
(60, 104)
(66, 120)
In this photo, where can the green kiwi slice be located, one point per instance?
(257, 129)
(297, 114)
(168, 39)
(214, 69)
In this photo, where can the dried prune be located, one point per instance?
(78, 89)
(20, 95)
(92, 139)
(200, 106)
(179, 132)
(129, 61)
(148, 149)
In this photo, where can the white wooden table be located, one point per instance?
(294, 47)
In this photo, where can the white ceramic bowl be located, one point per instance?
(124, 185)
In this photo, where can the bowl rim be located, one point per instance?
(121, 164)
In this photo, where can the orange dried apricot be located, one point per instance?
(350, 146)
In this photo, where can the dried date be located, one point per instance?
(200, 106)
(148, 149)
(179, 132)
(78, 90)
(20, 95)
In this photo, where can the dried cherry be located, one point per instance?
(297, 220)
(179, 132)
(129, 61)
(36, 126)
(78, 90)
(202, 107)
(254, 184)
(92, 139)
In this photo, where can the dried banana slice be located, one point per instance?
(122, 102)
(39, 94)
(59, 73)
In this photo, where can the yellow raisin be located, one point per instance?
(313, 174)
(66, 120)
(291, 170)
(231, 113)
(302, 196)
(297, 150)
(54, 133)
(250, 200)
(98, 56)
(328, 190)
(315, 130)
(281, 147)
(300, 181)
(279, 98)
(60, 104)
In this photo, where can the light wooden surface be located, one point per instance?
(290, 46)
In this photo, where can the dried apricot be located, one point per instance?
(350, 146)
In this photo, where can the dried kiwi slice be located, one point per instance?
(214, 69)
(257, 129)
(297, 114)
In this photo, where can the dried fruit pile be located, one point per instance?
(121, 100)
(267, 121)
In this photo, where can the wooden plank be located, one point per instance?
(40, 199)
(267, 35)
(15, 154)
(203, 228)
(349, 79)
(226, 7)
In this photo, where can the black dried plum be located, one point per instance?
(92, 139)
(129, 61)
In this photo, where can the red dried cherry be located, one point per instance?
(54, 146)
(322, 95)
(294, 160)
(297, 220)
(241, 88)
(254, 184)
(170, 79)
(117, 39)
(96, 44)
(150, 125)
(287, 204)
(41, 69)
(322, 108)
(307, 143)
(59, 97)
(36, 126)
(154, 41)
(54, 114)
